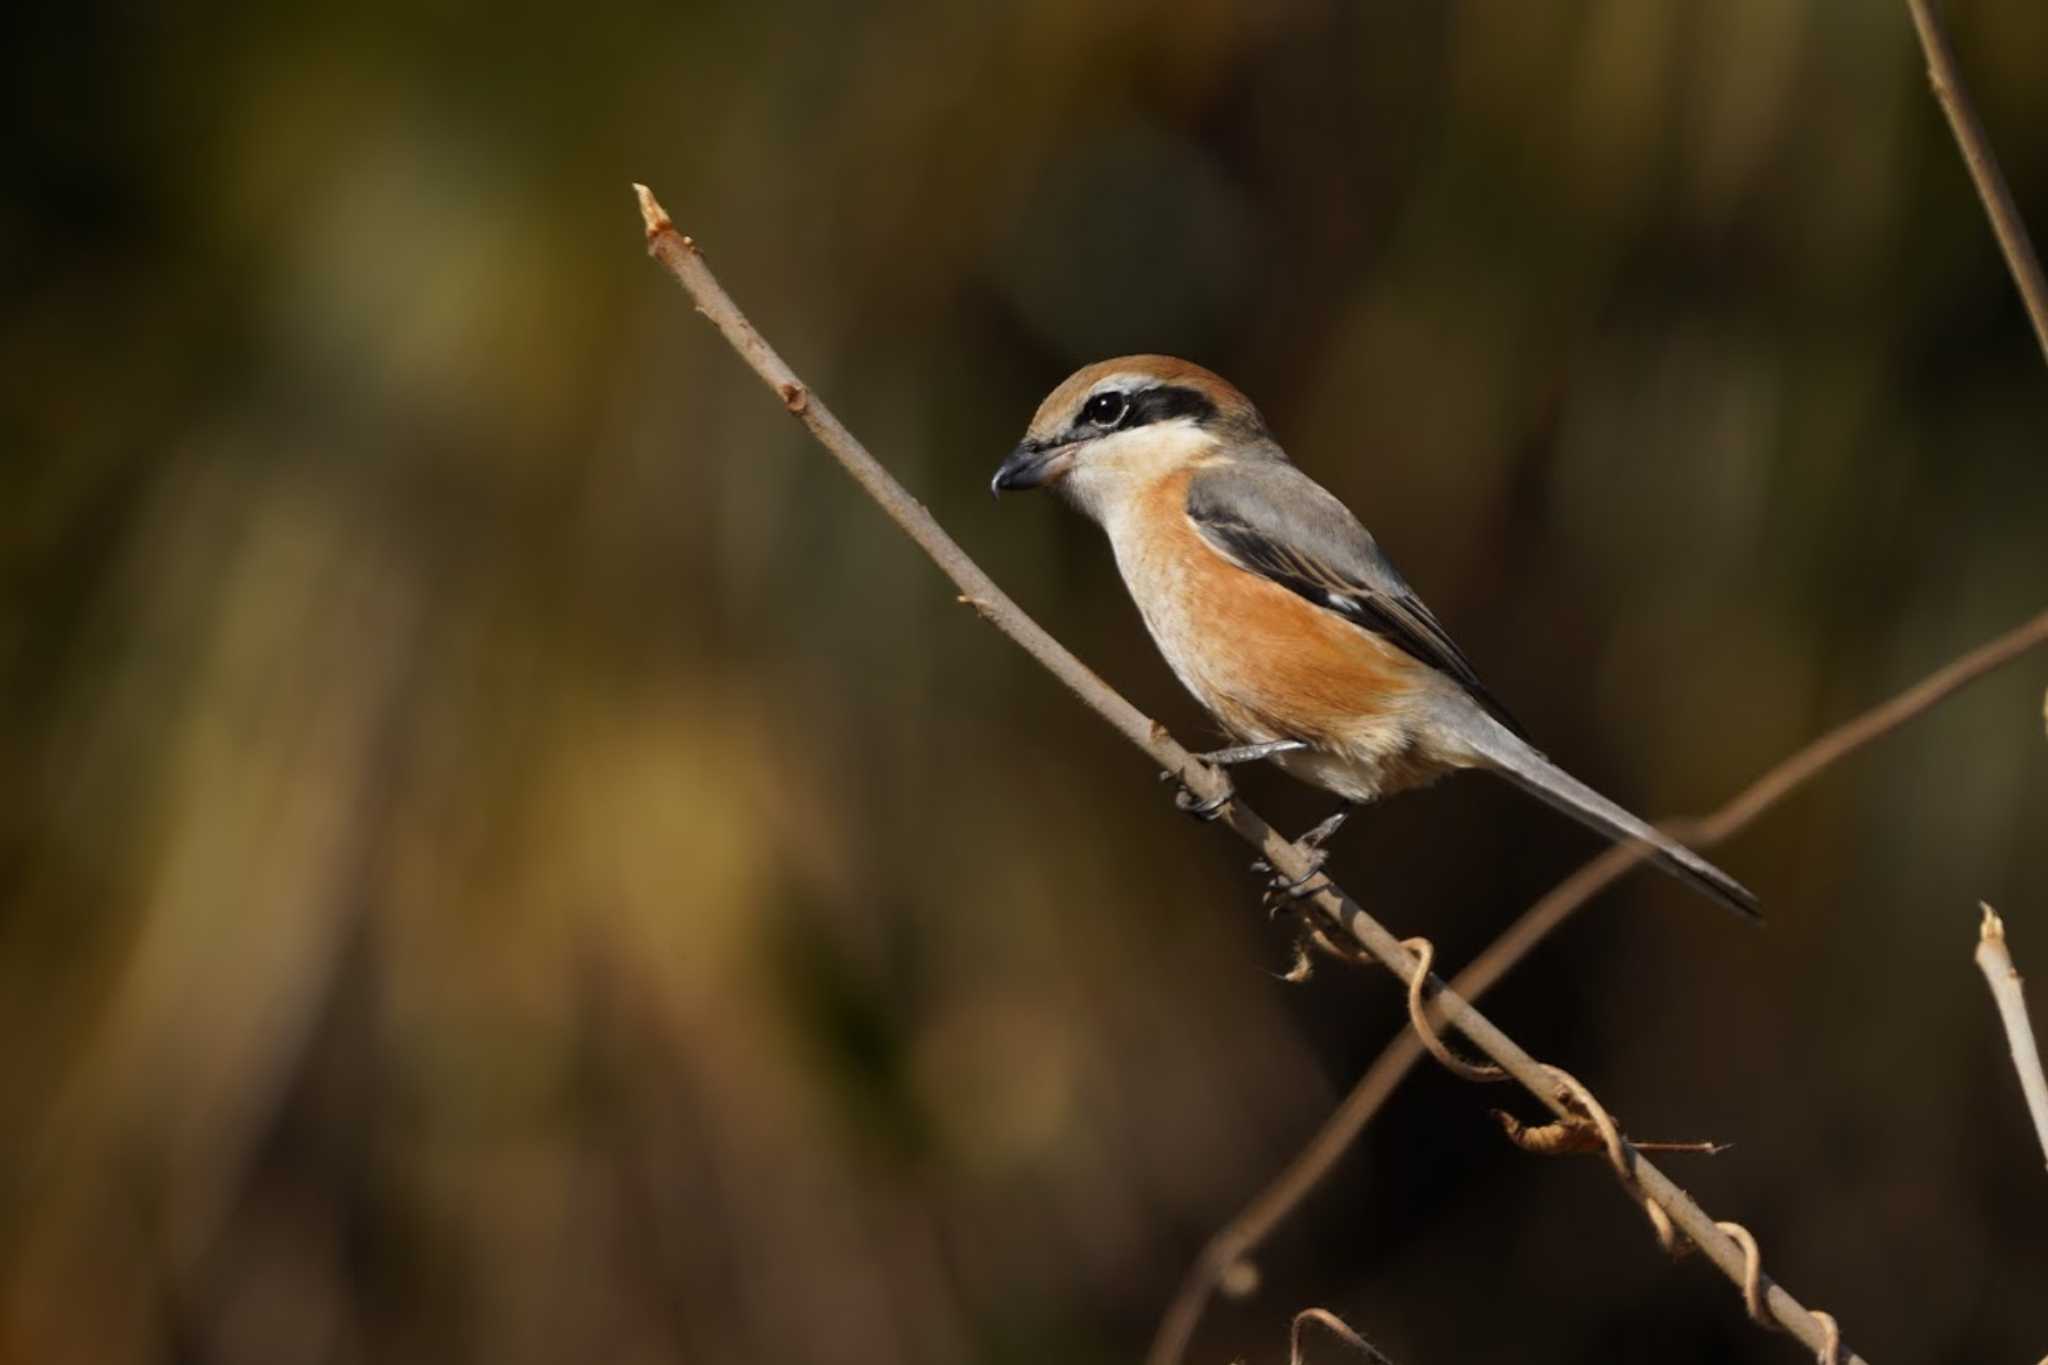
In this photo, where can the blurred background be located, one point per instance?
(506, 856)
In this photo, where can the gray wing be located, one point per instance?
(1274, 520)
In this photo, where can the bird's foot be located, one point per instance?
(1318, 836)
(1205, 811)
(1211, 808)
(1282, 889)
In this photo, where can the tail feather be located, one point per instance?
(1516, 760)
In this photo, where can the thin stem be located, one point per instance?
(1335, 1326)
(1288, 859)
(2006, 223)
(1994, 959)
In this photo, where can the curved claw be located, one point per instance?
(1308, 886)
(1300, 888)
(1203, 810)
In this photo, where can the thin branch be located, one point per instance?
(1287, 858)
(1995, 961)
(1501, 956)
(2006, 222)
(1243, 1234)
(1238, 1238)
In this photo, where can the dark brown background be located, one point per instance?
(506, 856)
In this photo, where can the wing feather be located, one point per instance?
(1271, 519)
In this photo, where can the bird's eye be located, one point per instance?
(1105, 409)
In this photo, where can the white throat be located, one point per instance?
(1111, 472)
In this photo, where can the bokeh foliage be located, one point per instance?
(506, 857)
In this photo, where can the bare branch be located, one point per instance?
(1752, 801)
(1244, 1233)
(2006, 222)
(1238, 1238)
(1287, 858)
(1995, 961)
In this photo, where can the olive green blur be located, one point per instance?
(506, 856)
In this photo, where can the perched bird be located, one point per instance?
(1277, 609)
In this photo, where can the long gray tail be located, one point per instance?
(1514, 759)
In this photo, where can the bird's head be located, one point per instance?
(1117, 425)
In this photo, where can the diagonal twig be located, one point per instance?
(2006, 223)
(1289, 859)
(1242, 1235)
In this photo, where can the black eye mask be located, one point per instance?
(1112, 410)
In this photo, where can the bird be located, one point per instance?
(1277, 609)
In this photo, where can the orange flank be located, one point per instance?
(1268, 662)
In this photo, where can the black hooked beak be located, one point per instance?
(1033, 464)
